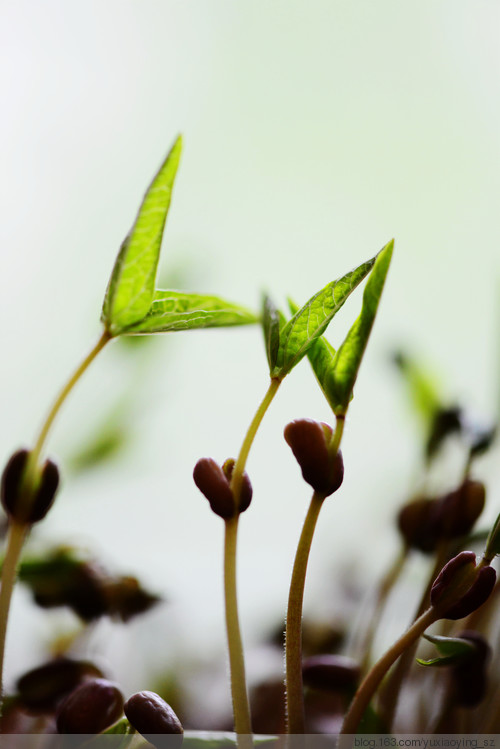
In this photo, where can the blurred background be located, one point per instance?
(314, 132)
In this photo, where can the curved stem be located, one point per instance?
(392, 690)
(17, 532)
(15, 540)
(241, 462)
(371, 682)
(241, 708)
(293, 644)
(30, 475)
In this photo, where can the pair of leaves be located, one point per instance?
(451, 650)
(132, 305)
(336, 371)
(288, 342)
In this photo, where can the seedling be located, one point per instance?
(77, 694)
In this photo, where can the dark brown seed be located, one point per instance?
(149, 714)
(309, 441)
(211, 481)
(333, 673)
(11, 478)
(24, 507)
(417, 523)
(460, 588)
(85, 591)
(90, 708)
(43, 687)
(126, 599)
(459, 510)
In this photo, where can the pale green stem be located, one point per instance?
(241, 462)
(18, 532)
(369, 686)
(241, 708)
(31, 469)
(334, 445)
(392, 689)
(15, 540)
(293, 643)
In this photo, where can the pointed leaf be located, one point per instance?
(451, 649)
(175, 310)
(131, 286)
(271, 327)
(337, 371)
(441, 660)
(422, 388)
(311, 321)
(493, 541)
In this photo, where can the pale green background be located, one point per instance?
(314, 132)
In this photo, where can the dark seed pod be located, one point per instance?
(332, 673)
(417, 523)
(90, 708)
(214, 482)
(461, 588)
(211, 481)
(154, 718)
(469, 678)
(85, 591)
(126, 598)
(309, 441)
(459, 510)
(246, 487)
(43, 687)
(26, 507)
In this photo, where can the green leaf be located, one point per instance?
(271, 326)
(422, 388)
(451, 649)
(311, 321)
(125, 734)
(493, 541)
(337, 371)
(175, 310)
(131, 286)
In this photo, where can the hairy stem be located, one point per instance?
(293, 644)
(15, 540)
(372, 680)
